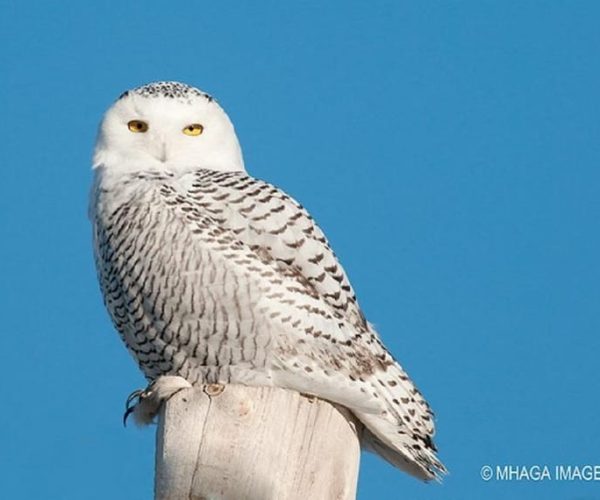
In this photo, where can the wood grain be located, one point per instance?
(254, 443)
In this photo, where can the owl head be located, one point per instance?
(166, 126)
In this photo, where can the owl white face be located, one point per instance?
(166, 126)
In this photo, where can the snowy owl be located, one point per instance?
(214, 277)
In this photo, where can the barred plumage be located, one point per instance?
(217, 277)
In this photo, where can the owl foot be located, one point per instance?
(144, 404)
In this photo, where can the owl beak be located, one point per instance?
(161, 153)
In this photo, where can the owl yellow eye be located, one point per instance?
(137, 126)
(193, 129)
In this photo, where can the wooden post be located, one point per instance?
(254, 443)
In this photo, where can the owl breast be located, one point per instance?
(182, 308)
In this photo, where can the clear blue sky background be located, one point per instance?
(449, 149)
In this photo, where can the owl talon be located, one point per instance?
(144, 404)
(132, 401)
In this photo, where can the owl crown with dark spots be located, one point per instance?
(171, 90)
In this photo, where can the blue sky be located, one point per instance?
(451, 152)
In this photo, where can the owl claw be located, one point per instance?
(132, 401)
(145, 404)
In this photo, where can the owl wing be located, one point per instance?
(338, 356)
(273, 224)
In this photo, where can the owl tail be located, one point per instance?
(401, 450)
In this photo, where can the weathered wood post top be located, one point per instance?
(254, 443)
